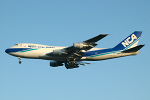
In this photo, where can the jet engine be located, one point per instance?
(70, 65)
(58, 52)
(55, 63)
(80, 45)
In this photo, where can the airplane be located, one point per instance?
(74, 55)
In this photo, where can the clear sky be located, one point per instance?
(60, 23)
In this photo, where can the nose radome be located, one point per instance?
(7, 50)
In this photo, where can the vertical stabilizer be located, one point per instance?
(130, 42)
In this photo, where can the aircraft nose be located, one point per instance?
(7, 50)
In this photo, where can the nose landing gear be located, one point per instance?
(19, 60)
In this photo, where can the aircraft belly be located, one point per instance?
(45, 57)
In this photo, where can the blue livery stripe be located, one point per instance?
(132, 44)
(28, 50)
(129, 40)
(19, 50)
(105, 51)
(116, 49)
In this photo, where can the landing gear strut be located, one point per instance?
(19, 60)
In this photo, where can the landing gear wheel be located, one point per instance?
(19, 62)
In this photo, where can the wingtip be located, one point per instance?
(143, 45)
(104, 34)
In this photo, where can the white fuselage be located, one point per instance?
(37, 51)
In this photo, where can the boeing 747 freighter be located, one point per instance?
(73, 56)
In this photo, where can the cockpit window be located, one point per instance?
(16, 44)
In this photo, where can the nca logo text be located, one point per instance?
(129, 40)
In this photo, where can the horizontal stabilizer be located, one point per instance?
(134, 49)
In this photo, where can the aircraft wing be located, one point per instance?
(96, 38)
(76, 49)
(86, 45)
(75, 53)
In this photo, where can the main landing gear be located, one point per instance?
(19, 60)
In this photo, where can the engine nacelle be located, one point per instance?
(71, 65)
(58, 52)
(55, 63)
(80, 45)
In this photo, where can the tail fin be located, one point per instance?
(130, 42)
